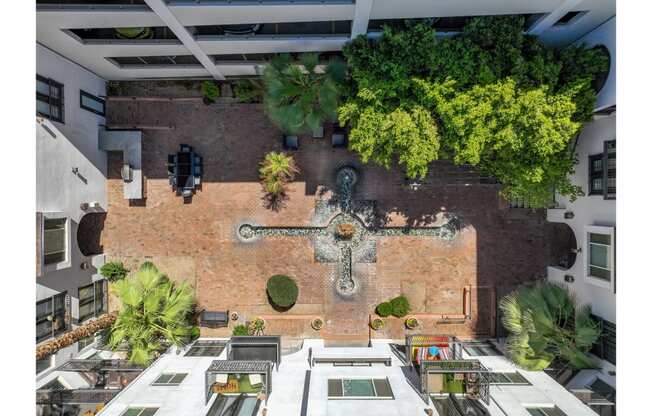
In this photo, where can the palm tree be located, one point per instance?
(546, 323)
(154, 311)
(298, 98)
(276, 171)
(84, 331)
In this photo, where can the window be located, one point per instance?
(596, 173)
(91, 103)
(49, 98)
(480, 348)
(140, 411)
(507, 378)
(600, 256)
(50, 317)
(143, 61)
(85, 342)
(605, 346)
(602, 172)
(206, 349)
(91, 300)
(169, 379)
(545, 411)
(54, 240)
(43, 364)
(364, 388)
(569, 18)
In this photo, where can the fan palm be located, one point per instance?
(545, 322)
(153, 311)
(276, 170)
(298, 98)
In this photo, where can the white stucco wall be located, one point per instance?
(58, 189)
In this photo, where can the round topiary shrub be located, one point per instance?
(384, 309)
(377, 324)
(282, 291)
(400, 306)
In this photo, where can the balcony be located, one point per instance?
(272, 30)
(134, 35)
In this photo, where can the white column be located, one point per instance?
(547, 21)
(361, 17)
(161, 9)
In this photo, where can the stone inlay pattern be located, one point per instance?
(361, 246)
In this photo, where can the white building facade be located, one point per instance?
(219, 39)
(70, 184)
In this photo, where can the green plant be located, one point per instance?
(384, 309)
(502, 87)
(256, 327)
(249, 90)
(317, 324)
(282, 290)
(400, 306)
(298, 99)
(114, 271)
(411, 323)
(210, 91)
(240, 330)
(154, 311)
(134, 32)
(377, 324)
(276, 170)
(546, 323)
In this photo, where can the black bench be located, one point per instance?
(214, 319)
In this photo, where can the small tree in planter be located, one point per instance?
(114, 271)
(276, 171)
(257, 326)
(377, 324)
(411, 323)
(317, 324)
(282, 291)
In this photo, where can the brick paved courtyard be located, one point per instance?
(197, 241)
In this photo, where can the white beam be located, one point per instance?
(161, 9)
(547, 21)
(361, 17)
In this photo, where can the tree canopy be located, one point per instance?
(490, 97)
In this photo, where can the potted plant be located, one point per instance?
(411, 323)
(257, 326)
(234, 316)
(240, 330)
(210, 92)
(377, 324)
(317, 324)
(134, 33)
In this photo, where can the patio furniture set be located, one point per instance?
(185, 169)
(339, 139)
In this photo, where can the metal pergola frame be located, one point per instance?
(470, 367)
(264, 340)
(238, 367)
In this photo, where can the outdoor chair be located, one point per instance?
(255, 380)
(221, 379)
(126, 173)
(184, 148)
(214, 319)
(290, 142)
(186, 193)
(197, 181)
(318, 133)
(339, 139)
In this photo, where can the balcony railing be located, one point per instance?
(158, 34)
(78, 396)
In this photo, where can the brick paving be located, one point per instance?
(197, 241)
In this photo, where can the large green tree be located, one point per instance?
(298, 97)
(546, 323)
(548, 92)
(154, 311)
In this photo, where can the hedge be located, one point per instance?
(282, 291)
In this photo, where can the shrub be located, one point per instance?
(275, 171)
(411, 323)
(114, 270)
(300, 99)
(249, 90)
(240, 330)
(256, 327)
(384, 309)
(317, 324)
(400, 306)
(282, 291)
(210, 91)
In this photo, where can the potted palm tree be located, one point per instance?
(298, 98)
(546, 323)
(154, 311)
(276, 171)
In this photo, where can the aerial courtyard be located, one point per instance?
(452, 283)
